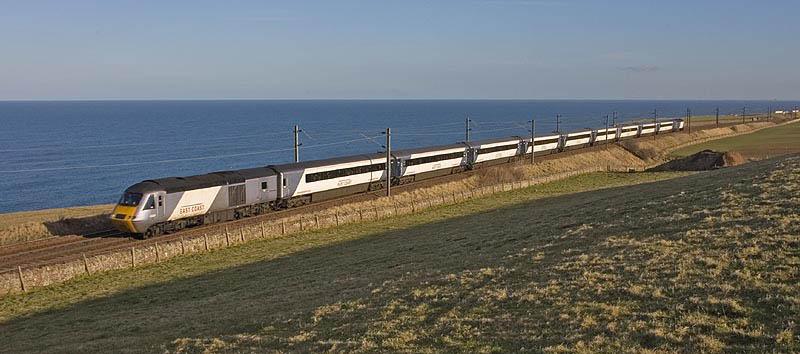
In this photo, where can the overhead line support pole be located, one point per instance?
(388, 162)
(689, 119)
(744, 112)
(533, 145)
(558, 123)
(468, 129)
(297, 143)
(655, 122)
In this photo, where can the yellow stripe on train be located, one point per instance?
(122, 217)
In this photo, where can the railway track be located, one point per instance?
(54, 250)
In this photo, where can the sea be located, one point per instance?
(69, 153)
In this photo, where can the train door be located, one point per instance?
(161, 205)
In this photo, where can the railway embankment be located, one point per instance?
(70, 261)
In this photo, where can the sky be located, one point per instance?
(351, 49)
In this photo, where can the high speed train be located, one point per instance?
(166, 205)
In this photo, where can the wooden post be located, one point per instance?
(262, 230)
(360, 215)
(21, 281)
(205, 240)
(241, 233)
(454, 197)
(337, 218)
(376, 212)
(133, 258)
(316, 221)
(227, 237)
(413, 207)
(283, 227)
(183, 246)
(85, 264)
(301, 223)
(158, 257)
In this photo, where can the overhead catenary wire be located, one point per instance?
(103, 146)
(200, 158)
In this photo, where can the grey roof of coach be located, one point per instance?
(492, 141)
(326, 162)
(406, 152)
(213, 179)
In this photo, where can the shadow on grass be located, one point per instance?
(81, 226)
(532, 275)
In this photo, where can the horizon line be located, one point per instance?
(385, 99)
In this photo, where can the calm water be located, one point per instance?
(57, 154)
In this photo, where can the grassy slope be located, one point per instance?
(704, 262)
(762, 144)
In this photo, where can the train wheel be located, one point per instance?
(148, 233)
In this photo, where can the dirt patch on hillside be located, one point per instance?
(702, 161)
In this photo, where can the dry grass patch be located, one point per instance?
(31, 225)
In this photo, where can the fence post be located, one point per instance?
(336, 213)
(262, 230)
(21, 281)
(205, 241)
(85, 264)
(183, 247)
(133, 258)
(454, 197)
(158, 258)
(316, 221)
(361, 215)
(227, 237)
(283, 227)
(241, 233)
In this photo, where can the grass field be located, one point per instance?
(706, 262)
(766, 143)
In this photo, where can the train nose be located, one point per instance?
(122, 218)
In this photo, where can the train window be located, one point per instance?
(130, 199)
(434, 158)
(160, 200)
(344, 172)
(547, 141)
(264, 185)
(284, 182)
(498, 148)
(151, 203)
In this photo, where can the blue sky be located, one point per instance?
(82, 49)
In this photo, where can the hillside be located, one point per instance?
(705, 262)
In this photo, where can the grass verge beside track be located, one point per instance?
(704, 262)
(766, 143)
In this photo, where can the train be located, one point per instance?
(166, 205)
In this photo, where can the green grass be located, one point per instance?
(706, 262)
(766, 143)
